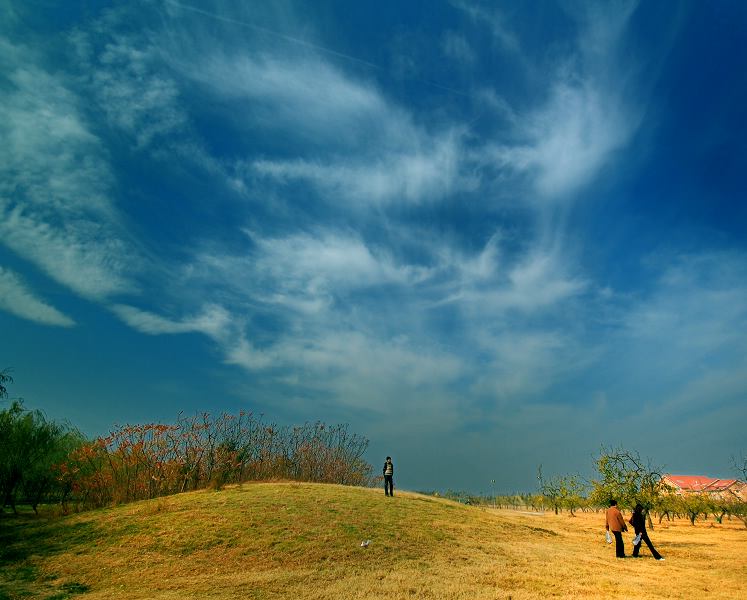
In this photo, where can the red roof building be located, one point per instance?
(726, 489)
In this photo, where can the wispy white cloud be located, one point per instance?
(698, 307)
(77, 253)
(413, 176)
(134, 95)
(317, 272)
(304, 272)
(55, 184)
(513, 313)
(571, 138)
(314, 286)
(369, 370)
(329, 113)
(675, 350)
(714, 390)
(363, 373)
(16, 298)
(540, 281)
(213, 321)
(589, 112)
(328, 342)
(128, 76)
(492, 18)
(602, 27)
(524, 364)
(315, 283)
(456, 47)
(560, 145)
(309, 97)
(49, 153)
(317, 352)
(329, 260)
(242, 353)
(491, 281)
(337, 337)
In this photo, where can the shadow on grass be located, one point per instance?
(24, 539)
(21, 537)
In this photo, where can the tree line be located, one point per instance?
(624, 476)
(44, 462)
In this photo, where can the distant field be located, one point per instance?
(292, 540)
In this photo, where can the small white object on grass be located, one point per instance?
(365, 543)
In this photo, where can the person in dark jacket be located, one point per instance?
(388, 477)
(616, 524)
(638, 521)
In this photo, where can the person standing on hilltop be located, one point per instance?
(388, 477)
(616, 524)
(638, 521)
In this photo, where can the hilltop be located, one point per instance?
(301, 540)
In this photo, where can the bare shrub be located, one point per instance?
(147, 461)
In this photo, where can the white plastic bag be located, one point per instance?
(608, 536)
(637, 539)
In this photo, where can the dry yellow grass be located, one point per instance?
(291, 540)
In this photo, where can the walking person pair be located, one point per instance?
(616, 524)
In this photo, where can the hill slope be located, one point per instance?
(293, 540)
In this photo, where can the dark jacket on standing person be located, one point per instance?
(389, 477)
(638, 521)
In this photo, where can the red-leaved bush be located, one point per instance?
(146, 461)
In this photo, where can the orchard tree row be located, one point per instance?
(624, 476)
(621, 475)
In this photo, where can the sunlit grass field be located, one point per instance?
(293, 540)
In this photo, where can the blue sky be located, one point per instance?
(485, 235)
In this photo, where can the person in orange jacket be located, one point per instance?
(616, 524)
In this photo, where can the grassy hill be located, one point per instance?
(294, 540)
